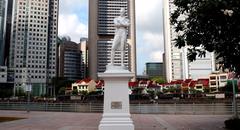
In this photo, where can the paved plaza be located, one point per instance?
(90, 121)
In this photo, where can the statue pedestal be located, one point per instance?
(116, 115)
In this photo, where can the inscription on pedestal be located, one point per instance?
(116, 105)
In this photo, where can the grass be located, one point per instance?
(5, 119)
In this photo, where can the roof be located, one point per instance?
(185, 84)
(132, 84)
(99, 83)
(192, 84)
(204, 82)
(177, 82)
(187, 80)
(87, 80)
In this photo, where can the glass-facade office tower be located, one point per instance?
(155, 69)
(101, 33)
(2, 30)
(8, 30)
(33, 43)
(176, 62)
(70, 60)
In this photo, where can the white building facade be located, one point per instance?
(33, 46)
(84, 57)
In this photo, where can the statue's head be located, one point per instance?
(122, 11)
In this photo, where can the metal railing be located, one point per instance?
(174, 108)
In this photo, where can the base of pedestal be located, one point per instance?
(113, 121)
(116, 113)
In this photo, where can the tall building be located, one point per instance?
(70, 60)
(155, 69)
(176, 62)
(33, 43)
(84, 62)
(8, 30)
(202, 67)
(2, 30)
(101, 34)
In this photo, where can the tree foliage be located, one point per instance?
(158, 79)
(5, 93)
(62, 39)
(209, 25)
(60, 82)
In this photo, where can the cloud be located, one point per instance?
(156, 56)
(153, 40)
(72, 6)
(73, 19)
(149, 20)
(70, 25)
(151, 45)
(149, 15)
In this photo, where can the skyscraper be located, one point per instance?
(173, 56)
(84, 64)
(33, 43)
(70, 60)
(8, 30)
(101, 33)
(2, 30)
(154, 69)
(176, 62)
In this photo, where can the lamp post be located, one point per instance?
(231, 76)
(234, 100)
(230, 13)
(28, 90)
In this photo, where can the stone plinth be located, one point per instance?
(116, 115)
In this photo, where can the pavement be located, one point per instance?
(89, 121)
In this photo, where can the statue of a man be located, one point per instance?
(121, 24)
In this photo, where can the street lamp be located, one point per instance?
(28, 90)
(229, 13)
(234, 100)
(232, 75)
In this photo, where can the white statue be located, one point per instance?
(121, 24)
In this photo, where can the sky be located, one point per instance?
(73, 22)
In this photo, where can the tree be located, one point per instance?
(59, 82)
(20, 92)
(158, 79)
(209, 25)
(62, 39)
(5, 93)
(229, 86)
(74, 92)
(61, 91)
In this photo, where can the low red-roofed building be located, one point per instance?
(191, 86)
(185, 86)
(217, 80)
(132, 85)
(202, 84)
(84, 85)
(100, 85)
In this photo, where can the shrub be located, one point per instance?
(232, 124)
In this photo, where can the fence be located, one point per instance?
(211, 108)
